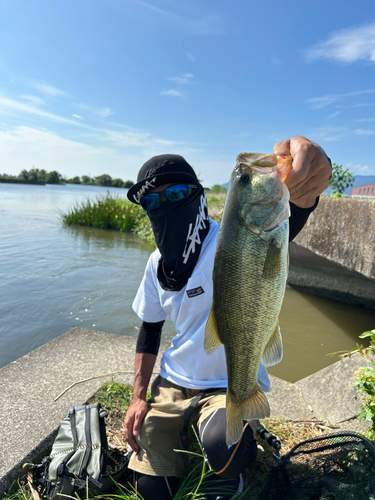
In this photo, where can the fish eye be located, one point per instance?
(244, 179)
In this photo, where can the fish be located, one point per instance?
(249, 281)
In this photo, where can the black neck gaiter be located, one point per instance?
(179, 230)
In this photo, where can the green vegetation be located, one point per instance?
(365, 383)
(108, 212)
(217, 189)
(36, 176)
(341, 180)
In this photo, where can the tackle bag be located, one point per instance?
(80, 459)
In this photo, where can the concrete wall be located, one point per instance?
(343, 230)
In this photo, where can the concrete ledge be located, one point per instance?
(30, 417)
(343, 230)
(313, 273)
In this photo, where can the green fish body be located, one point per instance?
(249, 279)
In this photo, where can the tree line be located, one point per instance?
(37, 176)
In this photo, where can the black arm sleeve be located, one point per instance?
(149, 338)
(298, 218)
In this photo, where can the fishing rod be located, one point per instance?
(270, 439)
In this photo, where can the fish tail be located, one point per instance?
(254, 408)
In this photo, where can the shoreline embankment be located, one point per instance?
(30, 420)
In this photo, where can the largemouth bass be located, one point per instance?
(249, 279)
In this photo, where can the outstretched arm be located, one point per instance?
(146, 351)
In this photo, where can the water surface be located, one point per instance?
(54, 278)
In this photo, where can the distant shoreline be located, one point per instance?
(39, 183)
(21, 181)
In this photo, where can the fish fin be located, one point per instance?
(272, 264)
(273, 353)
(211, 338)
(254, 408)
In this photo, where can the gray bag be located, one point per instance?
(80, 456)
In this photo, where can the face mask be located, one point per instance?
(179, 230)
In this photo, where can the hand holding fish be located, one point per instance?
(310, 172)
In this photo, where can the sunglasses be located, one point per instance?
(178, 192)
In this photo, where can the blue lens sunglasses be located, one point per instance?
(178, 192)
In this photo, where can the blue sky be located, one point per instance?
(92, 87)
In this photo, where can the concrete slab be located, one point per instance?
(313, 273)
(332, 395)
(29, 415)
(287, 401)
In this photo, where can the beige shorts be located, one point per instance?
(162, 426)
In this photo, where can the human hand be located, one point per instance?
(310, 172)
(133, 420)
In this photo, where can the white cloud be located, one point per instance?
(360, 169)
(329, 134)
(173, 93)
(185, 79)
(105, 112)
(129, 138)
(33, 99)
(358, 105)
(190, 57)
(93, 110)
(210, 24)
(23, 147)
(336, 134)
(46, 88)
(348, 45)
(361, 131)
(334, 114)
(78, 117)
(321, 102)
(365, 119)
(11, 106)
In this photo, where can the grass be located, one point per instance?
(115, 397)
(109, 212)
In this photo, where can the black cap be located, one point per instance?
(159, 170)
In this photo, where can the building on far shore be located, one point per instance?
(367, 190)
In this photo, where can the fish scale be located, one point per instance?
(249, 279)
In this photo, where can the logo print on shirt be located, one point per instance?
(194, 292)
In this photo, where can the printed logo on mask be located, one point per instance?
(193, 237)
(194, 292)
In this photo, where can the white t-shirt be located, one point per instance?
(185, 363)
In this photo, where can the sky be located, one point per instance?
(91, 87)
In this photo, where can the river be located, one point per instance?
(54, 278)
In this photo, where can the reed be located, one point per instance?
(109, 212)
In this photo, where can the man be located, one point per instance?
(178, 284)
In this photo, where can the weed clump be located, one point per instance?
(109, 212)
